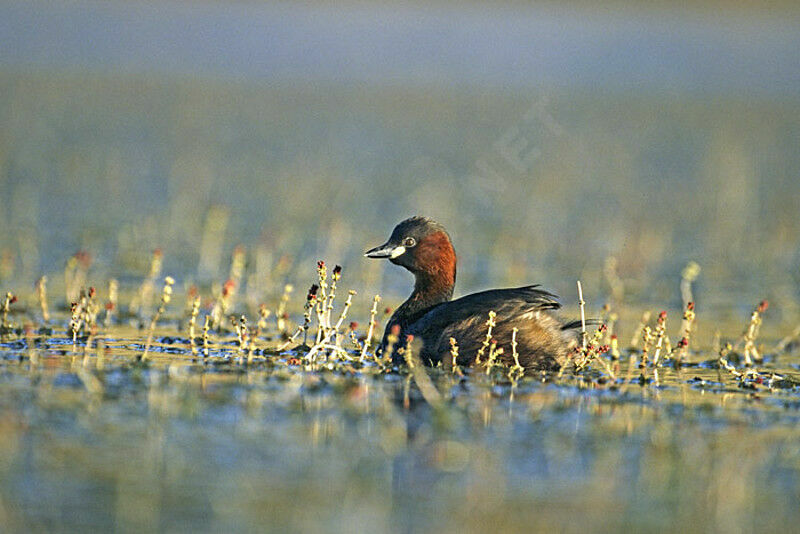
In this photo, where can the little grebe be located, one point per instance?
(423, 246)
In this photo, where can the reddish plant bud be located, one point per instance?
(662, 316)
(690, 306)
(158, 252)
(13, 299)
(409, 338)
(603, 349)
(683, 342)
(613, 336)
(395, 330)
(193, 291)
(763, 305)
(229, 286)
(337, 270)
(353, 325)
(92, 292)
(320, 264)
(312, 292)
(110, 306)
(387, 310)
(603, 328)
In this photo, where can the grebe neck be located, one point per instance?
(429, 290)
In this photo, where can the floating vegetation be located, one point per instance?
(237, 421)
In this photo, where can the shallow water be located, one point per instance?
(649, 139)
(92, 439)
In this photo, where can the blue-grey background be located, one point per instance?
(546, 137)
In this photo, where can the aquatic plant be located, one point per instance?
(615, 354)
(111, 303)
(750, 334)
(688, 276)
(166, 297)
(391, 342)
(660, 334)
(41, 293)
(334, 332)
(335, 380)
(682, 347)
(7, 302)
(582, 307)
(454, 368)
(195, 311)
(206, 337)
(371, 328)
(311, 299)
(490, 324)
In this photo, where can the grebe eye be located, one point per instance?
(409, 242)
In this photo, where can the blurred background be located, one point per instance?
(555, 141)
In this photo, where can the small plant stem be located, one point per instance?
(688, 276)
(206, 328)
(647, 335)
(494, 353)
(376, 299)
(615, 353)
(311, 299)
(334, 330)
(166, 296)
(750, 350)
(111, 303)
(454, 357)
(661, 328)
(582, 305)
(41, 291)
(9, 300)
(192, 323)
(488, 339)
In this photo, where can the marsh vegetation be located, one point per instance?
(149, 410)
(164, 364)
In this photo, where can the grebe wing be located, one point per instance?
(516, 301)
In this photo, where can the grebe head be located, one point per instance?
(422, 246)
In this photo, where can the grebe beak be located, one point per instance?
(386, 250)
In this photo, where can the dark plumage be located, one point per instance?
(423, 246)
